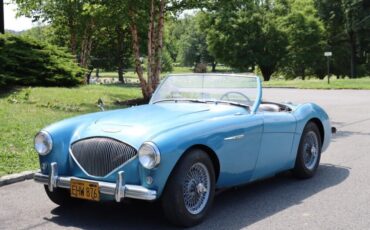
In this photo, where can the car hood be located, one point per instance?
(138, 124)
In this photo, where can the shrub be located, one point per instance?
(24, 61)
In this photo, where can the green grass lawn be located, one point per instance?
(359, 83)
(24, 112)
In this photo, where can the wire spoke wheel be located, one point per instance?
(311, 150)
(190, 190)
(196, 188)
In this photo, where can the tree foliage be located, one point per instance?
(284, 36)
(243, 34)
(189, 40)
(305, 33)
(347, 26)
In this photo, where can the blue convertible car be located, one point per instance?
(199, 133)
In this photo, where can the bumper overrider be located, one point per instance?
(119, 189)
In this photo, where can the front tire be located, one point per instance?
(190, 189)
(309, 152)
(61, 197)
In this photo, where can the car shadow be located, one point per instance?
(233, 208)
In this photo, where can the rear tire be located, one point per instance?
(190, 189)
(309, 152)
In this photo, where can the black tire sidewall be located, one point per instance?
(62, 197)
(300, 169)
(172, 200)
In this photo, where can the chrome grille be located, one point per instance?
(98, 156)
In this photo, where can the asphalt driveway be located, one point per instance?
(338, 197)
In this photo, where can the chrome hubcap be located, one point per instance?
(196, 188)
(311, 150)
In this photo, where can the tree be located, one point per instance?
(191, 41)
(2, 29)
(245, 33)
(153, 13)
(78, 19)
(347, 25)
(305, 35)
(112, 49)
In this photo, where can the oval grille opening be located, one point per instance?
(99, 156)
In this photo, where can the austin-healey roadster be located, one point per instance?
(199, 133)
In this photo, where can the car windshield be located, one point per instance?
(242, 90)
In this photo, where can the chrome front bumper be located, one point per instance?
(119, 189)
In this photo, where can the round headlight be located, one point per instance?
(43, 143)
(149, 155)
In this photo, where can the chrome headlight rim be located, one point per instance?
(155, 154)
(49, 141)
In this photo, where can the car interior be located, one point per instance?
(273, 107)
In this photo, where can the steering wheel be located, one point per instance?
(226, 96)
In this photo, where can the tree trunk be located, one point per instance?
(2, 28)
(145, 88)
(73, 40)
(352, 40)
(303, 74)
(159, 46)
(88, 76)
(86, 48)
(151, 44)
(120, 49)
(214, 64)
(267, 71)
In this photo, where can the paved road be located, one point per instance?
(337, 198)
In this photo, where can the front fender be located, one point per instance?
(307, 112)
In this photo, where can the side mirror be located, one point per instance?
(101, 104)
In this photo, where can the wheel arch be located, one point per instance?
(212, 155)
(320, 126)
(209, 151)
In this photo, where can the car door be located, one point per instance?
(239, 149)
(276, 143)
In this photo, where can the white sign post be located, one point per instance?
(328, 55)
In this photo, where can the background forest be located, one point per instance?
(274, 38)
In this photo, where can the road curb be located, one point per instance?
(17, 177)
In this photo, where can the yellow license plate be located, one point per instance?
(85, 190)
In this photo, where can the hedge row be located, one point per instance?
(27, 62)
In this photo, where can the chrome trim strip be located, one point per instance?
(237, 137)
(119, 192)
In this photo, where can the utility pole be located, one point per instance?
(2, 29)
(328, 55)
